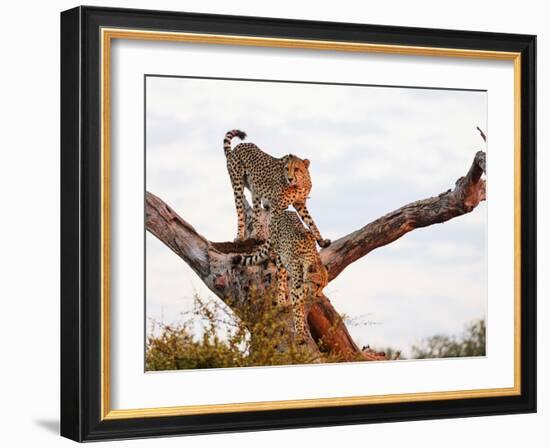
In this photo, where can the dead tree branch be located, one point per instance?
(468, 192)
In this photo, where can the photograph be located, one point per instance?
(308, 223)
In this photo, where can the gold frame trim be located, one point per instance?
(107, 35)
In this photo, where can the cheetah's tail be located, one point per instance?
(229, 136)
(257, 257)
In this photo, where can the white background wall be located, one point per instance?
(29, 224)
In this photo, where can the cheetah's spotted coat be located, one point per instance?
(276, 183)
(297, 257)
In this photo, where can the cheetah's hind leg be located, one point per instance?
(256, 210)
(302, 336)
(301, 327)
(282, 284)
(236, 175)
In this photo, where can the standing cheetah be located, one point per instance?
(276, 183)
(297, 258)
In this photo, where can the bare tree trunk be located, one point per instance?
(211, 261)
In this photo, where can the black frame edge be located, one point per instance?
(529, 222)
(80, 218)
(71, 383)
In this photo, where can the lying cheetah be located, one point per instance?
(297, 258)
(276, 183)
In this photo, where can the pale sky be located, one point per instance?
(372, 150)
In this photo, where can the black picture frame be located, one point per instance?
(81, 224)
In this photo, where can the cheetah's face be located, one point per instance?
(297, 175)
(317, 279)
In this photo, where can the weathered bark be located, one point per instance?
(212, 261)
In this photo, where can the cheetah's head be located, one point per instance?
(297, 175)
(317, 279)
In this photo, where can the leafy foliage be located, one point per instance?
(212, 336)
(257, 337)
(470, 343)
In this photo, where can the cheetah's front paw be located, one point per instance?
(324, 243)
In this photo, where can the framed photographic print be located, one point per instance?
(273, 223)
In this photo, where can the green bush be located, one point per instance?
(470, 343)
(212, 336)
(257, 337)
